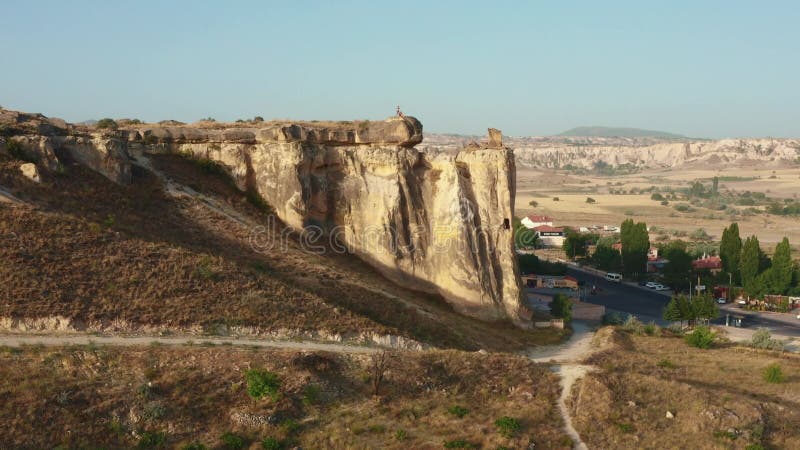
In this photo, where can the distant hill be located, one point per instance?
(619, 132)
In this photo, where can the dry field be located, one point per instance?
(611, 209)
(170, 397)
(717, 397)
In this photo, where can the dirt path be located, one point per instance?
(567, 357)
(58, 340)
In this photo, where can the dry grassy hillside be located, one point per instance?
(173, 397)
(139, 258)
(718, 397)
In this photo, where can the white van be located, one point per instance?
(615, 277)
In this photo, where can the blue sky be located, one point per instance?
(700, 68)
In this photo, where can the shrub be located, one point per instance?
(106, 124)
(262, 383)
(149, 439)
(651, 329)
(633, 325)
(773, 373)
(459, 443)
(763, 339)
(701, 337)
(271, 443)
(625, 427)
(507, 426)
(194, 446)
(311, 394)
(590, 200)
(533, 203)
(232, 441)
(458, 411)
(258, 119)
(18, 151)
(154, 411)
(666, 364)
(555, 199)
(401, 435)
(613, 318)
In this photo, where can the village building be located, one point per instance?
(711, 263)
(534, 221)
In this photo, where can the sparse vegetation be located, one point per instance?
(106, 124)
(507, 426)
(773, 374)
(701, 337)
(262, 383)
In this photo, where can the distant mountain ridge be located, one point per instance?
(619, 132)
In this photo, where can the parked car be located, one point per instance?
(721, 301)
(643, 283)
(661, 287)
(615, 277)
(652, 284)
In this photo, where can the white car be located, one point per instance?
(661, 287)
(721, 301)
(651, 284)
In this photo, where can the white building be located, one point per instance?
(532, 222)
(550, 236)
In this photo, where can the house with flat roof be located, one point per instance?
(550, 236)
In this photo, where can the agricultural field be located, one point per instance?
(745, 195)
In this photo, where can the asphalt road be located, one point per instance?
(648, 305)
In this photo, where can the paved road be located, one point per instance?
(648, 305)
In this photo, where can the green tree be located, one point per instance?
(574, 244)
(704, 307)
(606, 258)
(635, 244)
(685, 309)
(561, 307)
(750, 262)
(730, 250)
(672, 312)
(678, 270)
(779, 276)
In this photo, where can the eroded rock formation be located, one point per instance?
(437, 223)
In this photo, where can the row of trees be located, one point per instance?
(699, 308)
(758, 273)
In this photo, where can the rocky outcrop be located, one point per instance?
(726, 152)
(439, 223)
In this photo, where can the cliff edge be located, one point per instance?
(439, 224)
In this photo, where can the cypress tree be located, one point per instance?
(730, 250)
(779, 279)
(750, 262)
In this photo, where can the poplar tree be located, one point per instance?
(730, 250)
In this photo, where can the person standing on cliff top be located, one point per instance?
(399, 113)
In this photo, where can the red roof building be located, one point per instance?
(712, 263)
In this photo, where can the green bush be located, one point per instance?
(633, 325)
(701, 337)
(590, 200)
(262, 383)
(149, 439)
(507, 426)
(459, 443)
(458, 411)
(106, 123)
(763, 339)
(773, 373)
(18, 151)
(666, 364)
(613, 318)
(194, 446)
(232, 441)
(401, 435)
(311, 394)
(271, 443)
(561, 307)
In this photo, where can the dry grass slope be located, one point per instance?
(104, 397)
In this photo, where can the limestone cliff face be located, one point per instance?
(440, 223)
(437, 223)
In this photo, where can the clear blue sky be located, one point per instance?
(700, 68)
